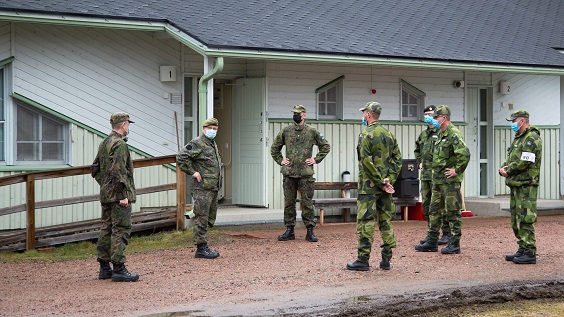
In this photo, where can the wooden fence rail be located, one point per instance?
(31, 205)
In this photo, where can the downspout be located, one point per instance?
(203, 90)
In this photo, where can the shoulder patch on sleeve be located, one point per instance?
(455, 139)
(321, 136)
(529, 142)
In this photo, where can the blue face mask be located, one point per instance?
(364, 121)
(514, 126)
(210, 133)
(428, 119)
(436, 123)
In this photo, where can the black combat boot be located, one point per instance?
(205, 253)
(385, 264)
(358, 265)
(427, 247)
(510, 257)
(288, 235)
(444, 239)
(310, 236)
(105, 270)
(120, 274)
(451, 249)
(525, 259)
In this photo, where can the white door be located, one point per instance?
(249, 142)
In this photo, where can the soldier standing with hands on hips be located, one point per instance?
(297, 170)
(113, 171)
(521, 170)
(200, 158)
(379, 164)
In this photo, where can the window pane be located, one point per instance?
(27, 151)
(404, 97)
(52, 131)
(2, 142)
(331, 108)
(322, 96)
(332, 94)
(28, 125)
(483, 104)
(52, 151)
(413, 111)
(1, 97)
(412, 99)
(405, 111)
(322, 109)
(188, 108)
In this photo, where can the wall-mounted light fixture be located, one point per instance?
(458, 84)
(504, 88)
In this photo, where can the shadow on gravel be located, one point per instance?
(428, 304)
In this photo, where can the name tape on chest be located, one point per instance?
(528, 156)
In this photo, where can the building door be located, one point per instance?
(249, 142)
(480, 105)
(190, 121)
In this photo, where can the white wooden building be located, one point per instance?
(63, 73)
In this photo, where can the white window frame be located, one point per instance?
(336, 83)
(66, 146)
(3, 114)
(419, 95)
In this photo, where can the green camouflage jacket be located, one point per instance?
(113, 170)
(450, 151)
(379, 157)
(424, 152)
(299, 142)
(524, 158)
(201, 155)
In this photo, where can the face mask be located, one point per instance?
(210, 133)
(515, 126)
(364, 121)
(428, 119)
(436, 123)
(297, 118)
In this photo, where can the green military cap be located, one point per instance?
(442, 110)
(118, 117)
(518, 114)
(210, 121)
(299, 109)
(372, 106)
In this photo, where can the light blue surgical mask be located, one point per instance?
(436, 123)
(210, 133)
(364, 121)
(515, 126)
(428, 119)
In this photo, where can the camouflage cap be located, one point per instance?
(210, 121)
(442, 110)
(430, 108)
(372, 106)
(518, 114)
(118, 117)
(299, 109)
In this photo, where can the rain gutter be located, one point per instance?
(202, 49)
(203, 90)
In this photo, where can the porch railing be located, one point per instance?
(31, 205)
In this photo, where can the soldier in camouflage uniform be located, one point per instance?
(297, 170)
(379, 164)
(521, 170)
(200, 158)
(113, 170)
(450, 159)
(424, 155)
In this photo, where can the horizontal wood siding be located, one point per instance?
(295, 83)
(5, 38)
(550, 169)
(85, 147)
(89, 73)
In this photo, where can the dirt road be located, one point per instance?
(257, 275)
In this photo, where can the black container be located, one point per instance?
(409, 169)
(406, 188)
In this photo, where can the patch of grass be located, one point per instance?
(167, 240)
(530, 308)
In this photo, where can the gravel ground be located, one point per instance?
(256, 275)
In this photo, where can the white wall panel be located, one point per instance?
(87, 74)
(5, 37)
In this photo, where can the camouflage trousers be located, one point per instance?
(426, 190)
(446, 203)
(115, 232)
(523, 204)
(378, 207)
(205, 210)
(291, 187)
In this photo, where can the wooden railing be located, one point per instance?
(31, 205)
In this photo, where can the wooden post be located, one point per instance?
(180, 198)
(30, 207)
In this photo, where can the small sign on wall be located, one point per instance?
(168, 73)
(504, 88)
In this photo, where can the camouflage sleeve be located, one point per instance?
(394, 162)
(184, 158)
(418, 147)
(462, 154)
(95, 170)
(519, 166)
(323, 146)
(119, 159)
(369, 166)
(276, 147)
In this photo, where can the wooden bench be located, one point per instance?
(349, 202)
